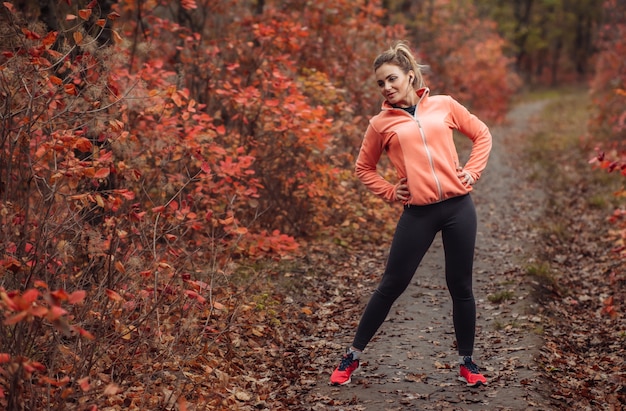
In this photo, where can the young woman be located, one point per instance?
(416, 130)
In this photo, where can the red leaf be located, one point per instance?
(83, 383)
(49, 39)
(84, 333)
(83, 145)
(60, 295)
(77, 297)
(30, 295)
(206, 167)
(56, 81)
(84, 14)
(16, 318)
(70, 89)
(30, 35)
(9, 6)
(102, 173)
(55, 313)
(113, 295)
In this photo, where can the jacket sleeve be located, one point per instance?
(369, 154)
(478, 132)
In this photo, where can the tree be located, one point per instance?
(552, 40)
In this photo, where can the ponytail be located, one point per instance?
(400, 55)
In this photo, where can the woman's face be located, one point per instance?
(395, 85)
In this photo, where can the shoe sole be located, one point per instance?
(477, 384)
(338, 384)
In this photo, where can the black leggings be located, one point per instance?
(416, 229)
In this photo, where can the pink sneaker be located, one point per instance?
(343, 373)
(469, 373)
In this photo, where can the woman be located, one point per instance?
(416, 130)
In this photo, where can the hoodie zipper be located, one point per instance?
(428, 154)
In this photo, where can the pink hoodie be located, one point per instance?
(421, 148)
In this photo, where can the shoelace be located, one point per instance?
(346, 361)
(473, 368)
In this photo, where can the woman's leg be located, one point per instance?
(459, 238)
(414, 234)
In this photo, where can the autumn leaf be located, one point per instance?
(83, 383)
(78, 37)
(49, 39)
(9, 6)
(70, 89)
(84, 14)
(113, 295)
(102, 173)
(77, 297)
(111, 389)
(56, 81)
(84, 145)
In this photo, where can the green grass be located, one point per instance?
(501, 296)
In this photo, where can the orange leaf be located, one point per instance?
(39, 311)
(78, 37)
(55, 313)
(16, 318)
(102, 173)
(84, 333)
(56, 81)
(116, 37)
(59, 294)
(39, 283)
(30, 35)
(241, 230)
(227, 221)
(77, 297)
(83, 383)
(111, 389)
(70, 89)
(70, 17)
(9, 6)
(189, 4)
(30, 295)
(4, 357)
(83, 145)
(84, 14)
(113, 295)
(49, 39)
(120, 267)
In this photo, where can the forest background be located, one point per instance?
(166, 165)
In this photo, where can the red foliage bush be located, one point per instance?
(608, 123)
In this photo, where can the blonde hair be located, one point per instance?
(400, 54)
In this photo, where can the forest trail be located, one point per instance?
(412, 364)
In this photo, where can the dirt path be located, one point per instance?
(412, 364)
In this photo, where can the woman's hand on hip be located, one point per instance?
(465, 177)
(402, 191)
